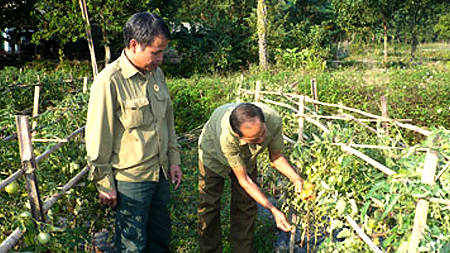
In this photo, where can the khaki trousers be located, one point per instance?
(243, 210)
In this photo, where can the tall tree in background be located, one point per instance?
(262, 34)
(443, 27)
(417, 14)
(63, 21)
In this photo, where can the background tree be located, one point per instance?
(262, 34)
(443, 27)
(63, 21)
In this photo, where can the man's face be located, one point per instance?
(253, 132)
(150, 57)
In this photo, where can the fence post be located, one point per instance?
(29, 166)
(37, 91)
(85, 82)
(314, 93)
(420, 218)
(384, 114)
(258, 91)
(240, 81)
(301, 118)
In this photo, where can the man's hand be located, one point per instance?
(108, 198)
(175, 175)
(281, 221)
(298, 185)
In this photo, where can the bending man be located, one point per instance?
(228, 147)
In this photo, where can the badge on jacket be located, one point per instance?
(156, 87)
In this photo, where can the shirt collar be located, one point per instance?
(128, 69)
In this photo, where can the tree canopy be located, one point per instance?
(212, 35)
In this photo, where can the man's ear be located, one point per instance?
(133, 45)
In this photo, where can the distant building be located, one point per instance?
(21, 44)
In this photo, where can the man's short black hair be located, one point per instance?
(244, 112)
(144, 27)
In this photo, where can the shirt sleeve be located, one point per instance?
(100, 133)
(173, 148)
(231, 150)
(276, 144)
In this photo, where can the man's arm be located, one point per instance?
(253, 190)
(175, 172)
(283, 166)
(99, 139)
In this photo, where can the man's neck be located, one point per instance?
(143, 71)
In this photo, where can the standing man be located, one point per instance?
(130, 138)
(229, 145)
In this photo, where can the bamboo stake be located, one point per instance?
(365, 146)
(369, 160)
(85, 82)
(384, 114)
(238, 97)
(280, 104)
(48, 152)
(11, 178)
(413, 128)
(29, 166)
(318, 124)
(420, 218)
(49, 140)
(293, 231)
(84, 12)
(285, 138)
(52, 200)
(11, 240)
(314, 93)
(37, 90)
(440, 201)
(301, 120)
(442, 172)
(363, 235)
(343, 107)
(258, 91)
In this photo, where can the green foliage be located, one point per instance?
(305, 60)
(194, 100)
(384, 206)
(443, 27)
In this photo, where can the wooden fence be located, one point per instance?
(25, 136)
(299, 107)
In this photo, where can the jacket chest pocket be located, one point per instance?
(159, 104)
(135, 113)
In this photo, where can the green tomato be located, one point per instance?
(12, 188)
(43, 238)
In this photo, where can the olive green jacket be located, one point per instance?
(130, 131)
(220, 148)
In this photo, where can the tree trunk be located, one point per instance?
(413, 36)
(107, 47)
(385, 39)
(262, 34)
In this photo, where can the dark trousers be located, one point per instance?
(243, 210)
(142, 217)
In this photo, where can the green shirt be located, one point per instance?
(220, 148)
(130, 130)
